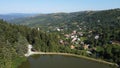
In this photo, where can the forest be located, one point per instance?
(14, 40)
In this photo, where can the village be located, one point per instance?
(76, 39)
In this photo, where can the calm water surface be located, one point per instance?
(59, 61)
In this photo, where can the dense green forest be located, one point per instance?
(14, 40)
(90, 33)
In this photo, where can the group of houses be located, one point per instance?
(75, 39)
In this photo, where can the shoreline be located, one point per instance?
(30, 52)
(68, 54)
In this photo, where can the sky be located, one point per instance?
(54, 6)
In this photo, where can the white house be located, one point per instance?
(97, 36)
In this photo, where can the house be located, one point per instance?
(86, 46)
(72, 36)
(97, 36)
(58, 29)
(90, 31)
(38, 28)
(78, 39)
(67, 36)
(74, 32)
(61, 42)
(74, 39)
(80, 28)
(80, 33)
(72, 47)
(89, 52)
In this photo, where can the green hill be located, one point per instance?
(58, 18)
(104, 21)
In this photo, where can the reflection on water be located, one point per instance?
(59, 61)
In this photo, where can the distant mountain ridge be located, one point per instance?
(57, 18)
(12, 16)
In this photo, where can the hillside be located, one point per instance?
(68, 18)
(104, 22)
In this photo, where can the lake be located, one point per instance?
(60, 61)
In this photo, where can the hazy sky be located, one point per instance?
(52, 6)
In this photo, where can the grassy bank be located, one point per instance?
(18, 62)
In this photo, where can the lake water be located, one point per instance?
(60, 61)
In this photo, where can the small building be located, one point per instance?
(61, 42)
(72, 36)
(86, 46)
(97, 37)
(67, 35)
(90, 31)
(38, 28)
(74, 32)
(89, 52)
(72, 47)
(58, 29)
(74, 39)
